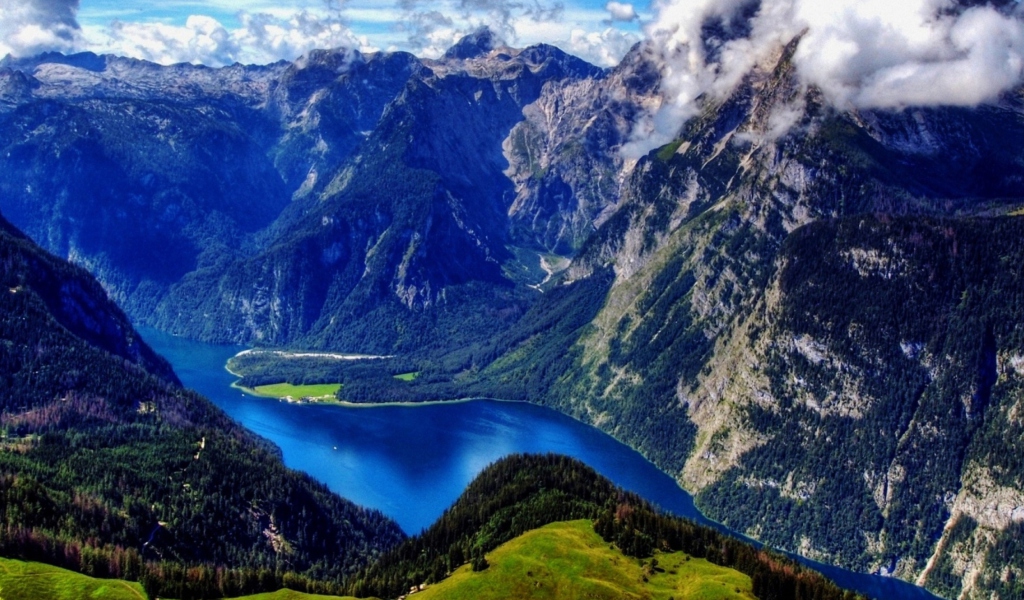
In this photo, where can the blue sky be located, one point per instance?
(217, 32)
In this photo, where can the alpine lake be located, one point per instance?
(412, 462)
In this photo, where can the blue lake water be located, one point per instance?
(412, 462)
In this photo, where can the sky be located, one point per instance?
(222, 32)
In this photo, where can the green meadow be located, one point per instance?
(21, 580)
(561, 561)
(569, 561)
(292, 595)
(320, 391)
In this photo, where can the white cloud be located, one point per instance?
(604, 48)
(201, 40)
(262, 38)
(621, 11)
(219, 32)
(431, 27)
(913, 56)
(267, 38)
(28, 27)
(860, 53)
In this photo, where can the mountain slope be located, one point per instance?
(814, 331)
(344, 201)
(403, 242)
(569, 560)
(564, 157)
(109, 469)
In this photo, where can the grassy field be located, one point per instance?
(568, 561)
(408, 376)
(562, 561)
(21, 580)
(323, 391)
(292, 595)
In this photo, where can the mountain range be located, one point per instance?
(807, 314)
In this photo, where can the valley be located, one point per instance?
(411, 461)
(800, 316)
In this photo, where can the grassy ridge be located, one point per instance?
(568, 560)
(286, 594)
(30, 581)
(21, 580)
(523, 493)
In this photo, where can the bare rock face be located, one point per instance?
(566, 159)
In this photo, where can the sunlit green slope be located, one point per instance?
(568, 560)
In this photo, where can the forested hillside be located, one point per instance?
(109, 467)
(524, 492)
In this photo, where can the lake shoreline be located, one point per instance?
(411, 465)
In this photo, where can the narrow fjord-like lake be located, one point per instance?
(412, 462)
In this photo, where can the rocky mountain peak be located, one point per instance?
(15, 87)
(83, 60)
(477, 44)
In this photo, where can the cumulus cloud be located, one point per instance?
(604, 48)
(262, 38)
(860, 53)
(432, 27)
(28, 27)
(621, 12)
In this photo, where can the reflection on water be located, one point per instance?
(412, 462)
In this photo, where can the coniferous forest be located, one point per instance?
(109, 467)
